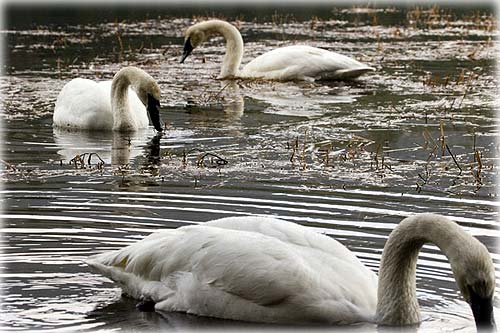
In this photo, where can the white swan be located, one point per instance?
(297, 62)
(117, 105)
(268, 270)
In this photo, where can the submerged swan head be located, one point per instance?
(470, 262)
(149, 93)
(476, 281)
(146, 89)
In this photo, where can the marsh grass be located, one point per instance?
(443, 165)
(297, 149)
(446, 168)
(84, 161)
(432, 17)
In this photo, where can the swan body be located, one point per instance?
(268, 270)
(297, 62)
(122, 104)
(246, 268)
(302, 62)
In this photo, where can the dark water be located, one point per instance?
(347, 159)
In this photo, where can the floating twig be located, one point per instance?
(99, 164)
(8, 165)
(200, 161)
(79, 160)
(219, 161)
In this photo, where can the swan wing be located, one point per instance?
(213, 255)
(303, 62)
(295, 283)
(287, 232)
(240, 274)
(83, 104)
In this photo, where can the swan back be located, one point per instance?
(83, 104)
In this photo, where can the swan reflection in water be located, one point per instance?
(123, 309)
(228, 98)
(235, 103)
(114, 148)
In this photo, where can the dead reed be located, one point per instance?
(298, 151)
(84, 161)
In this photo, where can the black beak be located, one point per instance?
(154, 112)
(188, 48)
(482, 309)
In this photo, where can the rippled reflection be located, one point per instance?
(112, 147)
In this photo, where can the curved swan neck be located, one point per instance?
(397, 301)
(123, 119)
(234, 46)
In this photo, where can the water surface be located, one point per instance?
(348, 159)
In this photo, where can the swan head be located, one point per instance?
(476, 281)
(145, 88)
(194, 37)
(197, 34)
(148, 92)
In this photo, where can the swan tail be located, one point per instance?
(350, 73)
(131, 284)
(114, 273)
